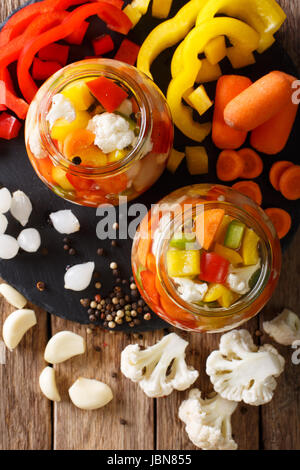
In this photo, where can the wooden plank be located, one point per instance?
(102, 429)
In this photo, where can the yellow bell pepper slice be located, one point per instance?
(197, 160)
(174, 160)
(238, 32)
(231, 255)
(161, 9)
(79, 95)
(250, 247)
(215, 50)
(198, 99)
(182, 263)
(167, 34)
(59, 176)
(133, 14)
(62, 128)
(220, 235)
(220, 293)
(116, 155)
(140, 5)
(240, 57)
(208, 72)
(265, 16)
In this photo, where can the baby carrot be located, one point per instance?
(289, 183)
(281, 220)
(277, 171)
(253, 165)
(228, 87)
(230, 165)
(259, 102)
(250, 189)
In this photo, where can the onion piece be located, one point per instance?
(21, 207)
(5, 200)
(65, 221)
(29, 240)
(9, 247)
(3, 223)
(79, 276)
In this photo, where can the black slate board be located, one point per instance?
(16, 172)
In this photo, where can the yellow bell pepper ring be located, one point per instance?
(167, 34)
(265, 16)
(238, 32)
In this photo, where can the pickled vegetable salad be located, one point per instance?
(216, 261)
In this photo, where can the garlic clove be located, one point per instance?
(29, 240)
(3, 223)
(90, 394)
(9, 246)
(5, 200)
(48, 384)
(65, 221)
(16, 325)
(12, 296)
(79, 276)
(21, 207)
(63, 346)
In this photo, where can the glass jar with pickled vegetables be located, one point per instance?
(97, 130)
(206, 258)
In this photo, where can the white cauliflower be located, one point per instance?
(239, 370)
(285, 328)
(159, 369)
(208, 422)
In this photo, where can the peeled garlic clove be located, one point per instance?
(29, 240)
(12, 296)
(21, 207)
(5, 200)
(3, 223)
(90, 394)
(48, 384)
(63, 346)
(16, 325)
(65, 221)
(9, 247)
(78, 277)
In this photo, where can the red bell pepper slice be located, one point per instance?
(78, 35)
(42, 70)
(44, 167)
(113, 184)
(127, 52)
(103, 44)
(80, 183)
(12, 102)
(148, 282)
(55, 53)
(107, 92)
(214, 268)
(114, 18)
(9, 126)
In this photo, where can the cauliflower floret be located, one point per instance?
(125, 107)
(61, 108)
(239, 370)
(112, 132)
(190, 291)
(238, 278)
(285, 328)
(208, 422)
(35, 144)
(159, 369)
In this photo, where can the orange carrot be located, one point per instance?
(77, 140)
(250, 189)
(289, 183)
(228, 87)
(281, 220)
(259, 102)
(277, 171)
(207, 225)
(230, 165)
(151, 263)
(253, 165)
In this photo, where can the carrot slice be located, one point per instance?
(277, 171)
(253, 165)
(151, 262)
(207, 225)
(76, 140)
(281, 220)
(230, 165)
(289, 183)
(250, 189)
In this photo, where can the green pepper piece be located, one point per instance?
(180, 240)
(234, 234)
(63, 193)
(254, 278)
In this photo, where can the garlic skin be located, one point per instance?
(48, 385)
(16, 325)
(79, 276)
(29, 240)
(21, 207)
(63, 346)
(65, 222)
(9, 247)
(12, 296)
(5, 200)
(90, 394)
(3, 223)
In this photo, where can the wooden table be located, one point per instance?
(29, 421)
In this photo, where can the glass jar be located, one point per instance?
(152, 242)
(130, 176)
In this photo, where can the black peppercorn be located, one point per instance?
(76, 160)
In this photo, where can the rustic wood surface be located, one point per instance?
(29, 421)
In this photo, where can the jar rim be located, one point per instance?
(83, 69)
